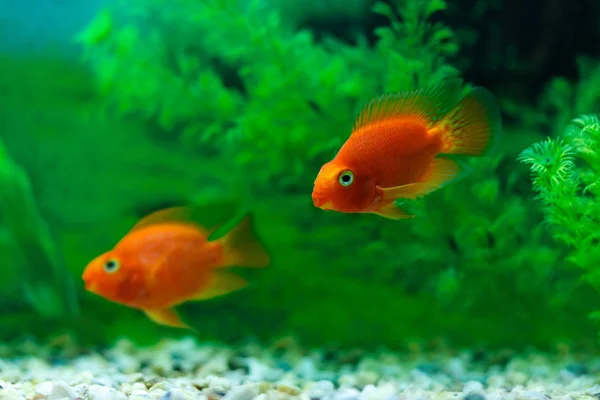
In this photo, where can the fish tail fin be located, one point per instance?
(473, 127)
(241, 247)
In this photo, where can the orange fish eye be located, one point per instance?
(111, 265)
(346, 177)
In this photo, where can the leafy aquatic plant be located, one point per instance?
(565, 174)
(565, 167)
(236, 85)
(43, 277)
(250, 87)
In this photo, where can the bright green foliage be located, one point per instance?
(565, 173)
(565, 167)
(210, 84)
(253, 89)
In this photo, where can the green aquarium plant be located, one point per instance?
(70, 172)
(43, 277)
(252, 87)
(566, 176)
(265, 102)
(565, 167)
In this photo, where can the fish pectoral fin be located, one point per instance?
(166, 316)
(409, 191)
(392, 211)
(441, 171)
(223, 282)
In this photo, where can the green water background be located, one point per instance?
(165, 104)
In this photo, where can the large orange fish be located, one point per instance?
(166, 259)
(399, 148)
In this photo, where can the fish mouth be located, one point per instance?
(89, 286)
(322, 202)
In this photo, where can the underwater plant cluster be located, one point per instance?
(190, 101)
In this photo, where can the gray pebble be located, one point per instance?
(474, 396)
(174, 370)
(577, 369)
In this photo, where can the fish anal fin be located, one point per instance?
(429, 104)
(166, 316)
(392, 211)
(441, 171)
(222, 282)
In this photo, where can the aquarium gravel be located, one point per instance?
(185, 369)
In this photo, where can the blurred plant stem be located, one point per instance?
(46, 284)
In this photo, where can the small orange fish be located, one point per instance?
(166, 259)
(398, 145)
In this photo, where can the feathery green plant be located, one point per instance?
(211, 84)
(565, 174)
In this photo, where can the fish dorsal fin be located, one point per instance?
(207, 217)
(430, 103)
(173, 214)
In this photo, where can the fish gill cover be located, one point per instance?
(213, 96)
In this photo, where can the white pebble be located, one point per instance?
(456, 368)
(61, 390)
(320, 389)
(347, 394)
(531, 395)
(219, 383)
(139, 386)
(9, 393)
(372, 392)
(473, 386)
(44, 388)
(162, 385)
(97, 392)
(306, 368)
(366, 377)
(104, 381)
(245, 392)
